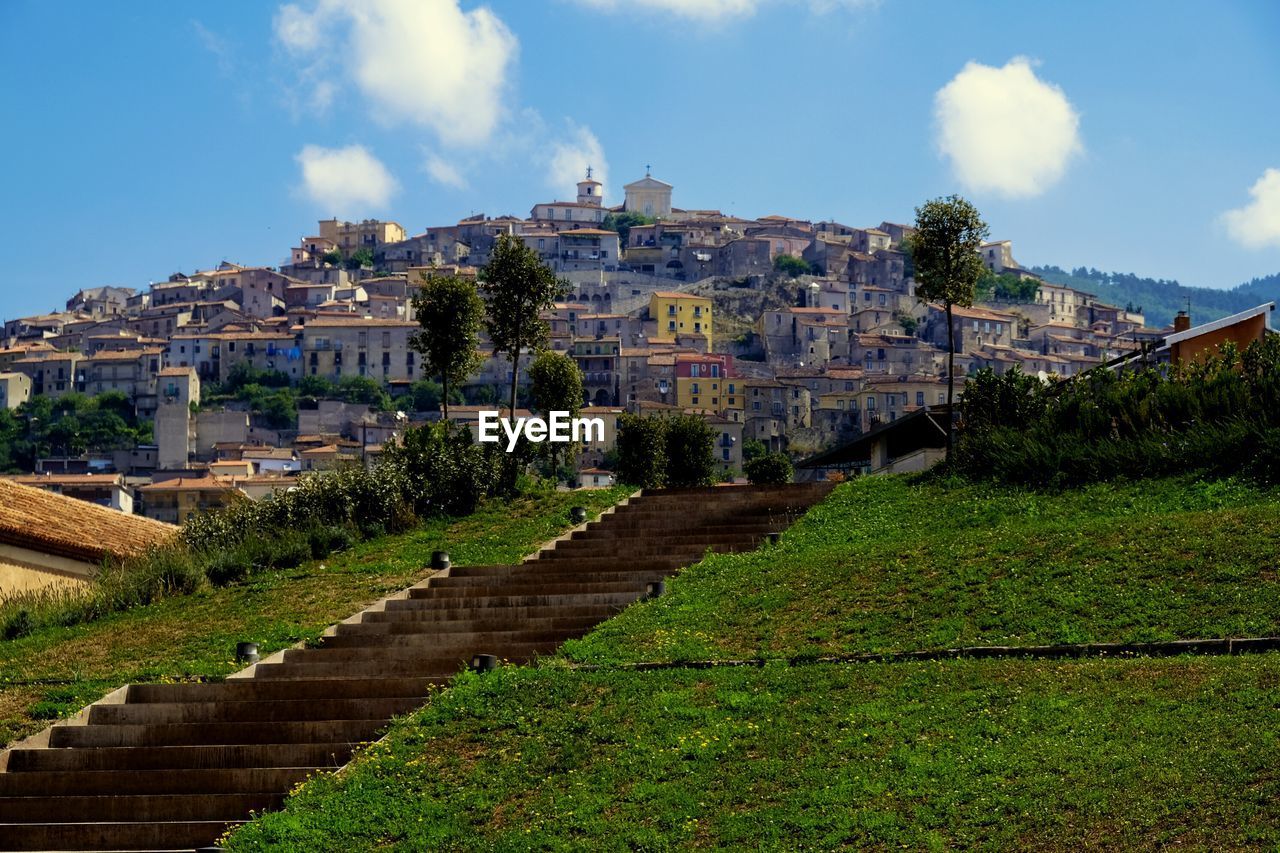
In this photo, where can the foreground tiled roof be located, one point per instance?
(52, 524)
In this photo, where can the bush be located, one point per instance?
(642, 451)
(690, 445)
(665, 451)
(329, 540)
(1219, 415)
(772, 469)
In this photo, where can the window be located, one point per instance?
(848, 385)
(871, 403)
(942, 397)
(386, 340)
(671, 326)
(919, 398)
(882, 299)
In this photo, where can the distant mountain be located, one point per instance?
(1161, 299)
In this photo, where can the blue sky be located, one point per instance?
(151, 137)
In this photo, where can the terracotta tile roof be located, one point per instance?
(177, 484)
(53, 524)
(68, 479)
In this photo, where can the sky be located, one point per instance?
(151, 137)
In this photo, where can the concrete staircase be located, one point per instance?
(171, 766)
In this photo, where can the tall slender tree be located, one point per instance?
(517, 288)
(946, 252)
(449, 312)
(555, 385)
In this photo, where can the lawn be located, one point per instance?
(55, 672)
(883, 566)
(1006, 754)
(1001, 754)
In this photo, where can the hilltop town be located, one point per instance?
(787, 332)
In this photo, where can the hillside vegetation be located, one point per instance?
(1006, 754)
(57, 670)
(1161, 299)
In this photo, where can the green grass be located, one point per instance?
(885, 566)
(999, 754)
(55, 671)
(1006, 754)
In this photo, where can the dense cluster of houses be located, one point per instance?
(849, 348)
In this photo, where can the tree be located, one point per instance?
(691, 447)
(791, 266)
(771, 469)
(362, 257)
(555, 386)
(945, 249)
(449, 312)
(623, 223)
(517, 288)
(363, 389)
(333, 257)
(642, 451)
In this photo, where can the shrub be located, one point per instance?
(642, 451)
(690, 446)
(1220, 415)
(772, 469)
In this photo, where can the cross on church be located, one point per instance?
(588, 173)
(646, 170)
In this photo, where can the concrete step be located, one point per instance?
(138, 807)
(196, 734)
(521, 586)
(339, 670)
(606, 563)
(332, 755)
(503, 616)
(492, 602)
(540, 572)
(281, 710)
(125, 782)
(409, 624)
(133, 835)
(421, 650)
(248, 689)
(428, 642)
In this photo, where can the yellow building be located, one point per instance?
(706, 382)
(680, 314)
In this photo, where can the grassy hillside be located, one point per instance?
(55, 672)
(1010, 754)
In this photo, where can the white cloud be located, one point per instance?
(423, 62)
(708, 11)
(1257, 224)
(570, 158)
(1005, 130)
(705, 10)
(444, 172)
(347, 181)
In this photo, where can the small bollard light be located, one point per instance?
(773, 538)
(484, 663)
(247, 652)
(439, 560)
(578, 514)
(655, 589)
